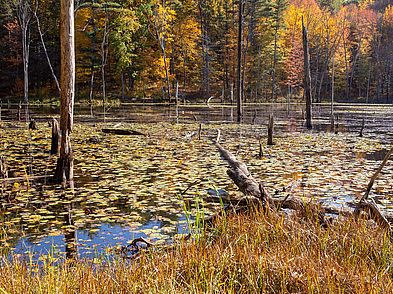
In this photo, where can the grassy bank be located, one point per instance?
(250, 254)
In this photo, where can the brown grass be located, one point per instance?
(251, 253)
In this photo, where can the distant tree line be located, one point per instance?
(146, 49)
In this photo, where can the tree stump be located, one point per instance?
(361, 129)
(270, 130)
(54, 149)
(32, 125)
(3, 168)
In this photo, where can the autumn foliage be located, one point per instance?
(147, 47)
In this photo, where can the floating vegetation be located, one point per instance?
(128, 187)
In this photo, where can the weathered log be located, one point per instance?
(122, 132)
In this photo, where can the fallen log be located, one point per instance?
(122, 132)
(247, 184)
(255, 194)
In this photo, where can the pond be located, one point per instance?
(151, 186)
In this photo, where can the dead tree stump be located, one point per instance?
(54, 149)
(32, 125)
(361, 129)
(3, 168)
(270, 130)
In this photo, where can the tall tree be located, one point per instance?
(278, 7)
(307, 78)
(65, 163)
(239, 97)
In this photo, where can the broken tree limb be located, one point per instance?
(122, 132)
(374, 177)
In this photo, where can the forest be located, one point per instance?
(142, 49)
(194, 146)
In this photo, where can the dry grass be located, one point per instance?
(251, 253)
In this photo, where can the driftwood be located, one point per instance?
(122, 132)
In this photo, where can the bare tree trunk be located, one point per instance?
(168, 84)
(307, 78)
(368, 86)
(239, 63)
(332, 98)
(65, 164)
(104, 58)
(46, 52)
(273, 97)
(91, 90)
(24, 17)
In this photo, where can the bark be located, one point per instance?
(64, 169)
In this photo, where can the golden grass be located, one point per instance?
(251, 253)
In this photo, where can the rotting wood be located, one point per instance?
(122, 132)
